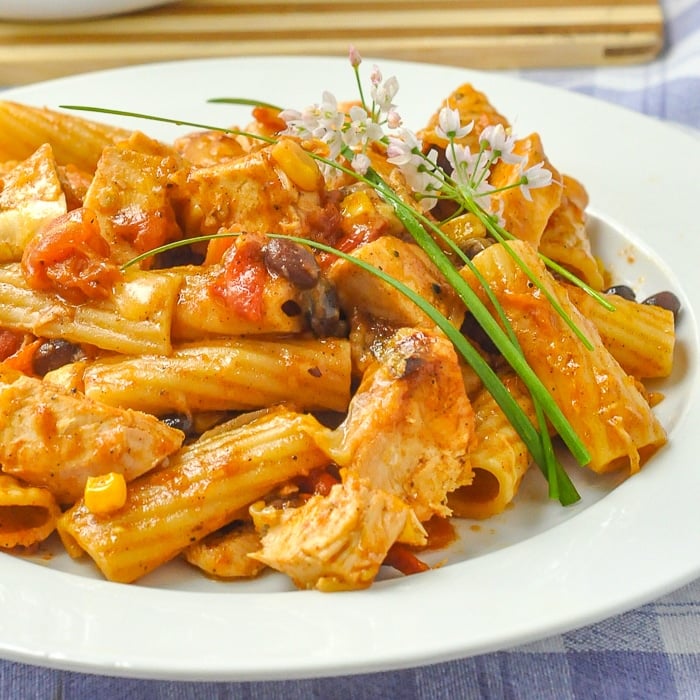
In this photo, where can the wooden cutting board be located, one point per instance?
(471, 33)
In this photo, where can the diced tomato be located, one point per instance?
(70, 257)
(217, 247)
(10, 343)
(22, 359)
(269, 118)
(401, 558)
(144, 230)
(241, 284)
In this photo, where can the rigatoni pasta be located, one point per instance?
(600, 400)
(201, 489)
(28, 514)
(301, 346)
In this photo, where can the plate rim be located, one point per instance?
(412, 589)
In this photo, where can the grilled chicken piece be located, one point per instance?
(224, 554)
(253, 194)
(358, 289)
(525, 219)
(54, 439)
(31, 195)
(410, 423)
(130, 195)
(335, 542)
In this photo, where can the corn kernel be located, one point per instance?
(297, 164)
(105, 493)
(357, 205)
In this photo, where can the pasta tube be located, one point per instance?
(565, 239)
(601, 402)
(641, 337)
(499, 457)
(74, 140)
(135, 318)
(250, 374)
(28, 514)
(526, 218)
(201, 489)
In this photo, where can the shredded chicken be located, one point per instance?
(335, 542)
(31, 195)
(409, 424)
(56, 440)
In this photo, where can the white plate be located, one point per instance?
(537, 570)
(59, 10)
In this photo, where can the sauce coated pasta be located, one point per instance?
(227, 325)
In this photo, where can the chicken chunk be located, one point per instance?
(56, 440)
(31, 195)
(130, 195)
(335, 542)
(224, 554)
(254, 194)
(410, 423)
(359, 289)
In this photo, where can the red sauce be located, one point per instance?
(70, 257)
(241, 284)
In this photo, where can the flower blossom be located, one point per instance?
(421, 171)
(361, 163)
(449, 125)
(384, 93)
(500, 144)
(535, 176)
(362, 129)
(355, 58)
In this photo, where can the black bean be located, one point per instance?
(181, 421)
(55, 353)
(322, 310)
(473, 246)
(622, 290)
(291, 261)
(666, 300)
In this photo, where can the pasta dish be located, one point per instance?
(304, 344)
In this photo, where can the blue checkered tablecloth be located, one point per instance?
(652, 652)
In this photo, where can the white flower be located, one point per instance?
(327, 113)
(535, 176)
(362, 129)
(383, 94)
(500, 144)
(316, 121)
(361, 163)
(393, 119)
(403, 148)
(449, 125)
(470, 172)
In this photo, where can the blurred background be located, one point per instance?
(43, 39)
